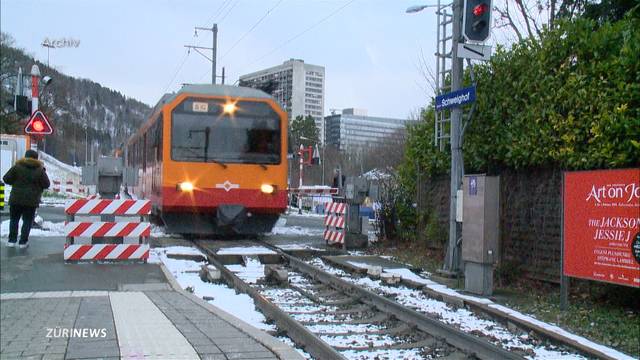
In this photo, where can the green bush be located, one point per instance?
(570, 99)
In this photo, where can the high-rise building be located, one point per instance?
(297, 86)
(353, 129)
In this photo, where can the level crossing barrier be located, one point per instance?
(335, 223)
(67, 186)
(313, 191)
(102, 229)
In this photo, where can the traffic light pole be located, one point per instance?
(452, 259)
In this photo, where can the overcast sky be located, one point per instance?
(370, 49)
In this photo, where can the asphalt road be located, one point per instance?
(53, 214)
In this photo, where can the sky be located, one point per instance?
(371, 49)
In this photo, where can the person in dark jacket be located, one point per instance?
(28, 179)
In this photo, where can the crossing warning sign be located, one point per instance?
(38, 124)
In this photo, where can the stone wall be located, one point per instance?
(530, 222)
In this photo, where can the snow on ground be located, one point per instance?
(288, 341)
(297, 247)
(157, 231)
(296, 230)
(53, 201)
(250, 272)
(224, 297)
(48, 229)
(407, 274)
(461, 318)
(245, 250)
(609, 351)
(293, 212)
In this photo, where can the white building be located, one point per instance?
(353, 129)
(298, 87)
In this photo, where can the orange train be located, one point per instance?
(212, 159)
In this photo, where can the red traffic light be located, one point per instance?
(38, 125)
(480, 9)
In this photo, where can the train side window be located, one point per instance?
(144, 152)
(157, 138)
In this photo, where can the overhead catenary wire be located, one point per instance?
(301, 33)
(252, 28)
(176, 72)
(320, 21)
(219, 11)
(227, 13)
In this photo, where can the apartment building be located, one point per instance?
(296, 85)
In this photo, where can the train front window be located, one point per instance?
(202, 132)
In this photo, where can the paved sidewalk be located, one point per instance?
(110, 325)
(53, 310)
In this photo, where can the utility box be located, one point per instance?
(480, 231)
(108, 174)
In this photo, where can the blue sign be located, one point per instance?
(473, 185)
(456, 98)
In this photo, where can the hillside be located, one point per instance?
(72, 104)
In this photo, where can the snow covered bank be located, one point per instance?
(186, 274)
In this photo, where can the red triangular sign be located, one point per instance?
(38, 124)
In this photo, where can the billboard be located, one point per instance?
(601, 230)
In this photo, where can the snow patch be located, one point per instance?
(246, 250)
(224, 297)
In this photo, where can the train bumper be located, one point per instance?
(226, 220)
(230, 215)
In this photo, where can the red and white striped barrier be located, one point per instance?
(334, 237)
(107, 229)
(106, 252)
(108, 207)
(100, 229)
(312, 191)
(334, 222)
(334, 207)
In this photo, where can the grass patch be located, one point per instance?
(53, 194)
(604, 313)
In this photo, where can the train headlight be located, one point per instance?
(229, 107)
(185, 186)
(267, 189)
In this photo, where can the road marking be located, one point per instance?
(144, 331)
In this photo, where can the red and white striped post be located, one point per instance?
(300, 153)
(35, 79)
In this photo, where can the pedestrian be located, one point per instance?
(28, 179)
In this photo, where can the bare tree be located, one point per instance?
(528, 18)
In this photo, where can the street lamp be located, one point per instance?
(418, 8)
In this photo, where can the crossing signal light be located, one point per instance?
(476, 20)
(38, 124)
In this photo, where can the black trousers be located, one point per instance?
(27, 213)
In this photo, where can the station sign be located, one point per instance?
(601, 229)
(456, 98)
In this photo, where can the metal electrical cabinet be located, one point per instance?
(480, 231)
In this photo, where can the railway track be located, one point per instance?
(334, 319)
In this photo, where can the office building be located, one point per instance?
(297, 86)
(353, 129)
